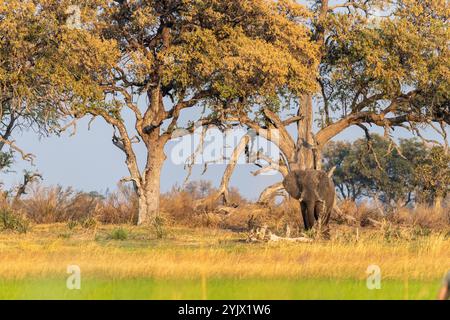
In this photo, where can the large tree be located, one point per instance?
(381, 63)
(175, 55)
(23, 85)
(39, 52)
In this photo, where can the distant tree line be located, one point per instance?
(404, 175)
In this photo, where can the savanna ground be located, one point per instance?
(126, 262)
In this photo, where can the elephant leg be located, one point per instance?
(319, 209)
(322, 215)
(310, 206)
(308, 219)
(304, 213)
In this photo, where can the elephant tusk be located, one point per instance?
(301, 196)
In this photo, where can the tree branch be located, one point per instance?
(25, 156)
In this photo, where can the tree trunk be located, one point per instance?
(149, 192)
(149, 198)
(306, 154)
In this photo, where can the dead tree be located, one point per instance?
(28, 178)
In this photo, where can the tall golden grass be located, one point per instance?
(194, 253)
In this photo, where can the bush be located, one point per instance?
(71, 224)
(181, 205)
(158, 227)
(13, 221)
(119, 234)
(56, 204)
(89, 223)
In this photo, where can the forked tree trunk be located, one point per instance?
(307, 156)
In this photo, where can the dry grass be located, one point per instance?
(189, 254)
(422, 216)
(209, 246)
(44, 205)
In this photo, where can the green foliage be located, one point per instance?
(397, 175)
(13, 221)
(119, 234)
(228, 50)
(434, 175)
(403, 59)
(6, 160)
(72, 224)
(85, 223)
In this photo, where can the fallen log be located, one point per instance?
(264, 235)
(275, 238)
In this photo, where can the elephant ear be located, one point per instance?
(291, 185)
(325, 181)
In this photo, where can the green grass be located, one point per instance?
(119, 234)
(215, 289)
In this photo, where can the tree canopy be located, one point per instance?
(397, 176)
(38, 55)
(399, 61)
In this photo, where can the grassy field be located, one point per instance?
(217, 264)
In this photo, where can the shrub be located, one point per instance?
(65, 235)
(13, 221)
(71, 224)
(119, 234)
(119, 207)
(89, 223)
(56, 204)
(429, 217)
(158, 227)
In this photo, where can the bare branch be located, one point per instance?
(27, 179)
(25, 156)
(223, 189)
(72, 124)
(270, 192)
(174, 113)
(191, 160)
(123, 142)
(127, 97)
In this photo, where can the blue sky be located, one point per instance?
(88, 161)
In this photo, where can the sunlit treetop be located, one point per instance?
(227, 50)
(44, 62)
(396, 52)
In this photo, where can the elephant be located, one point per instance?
(316, 192)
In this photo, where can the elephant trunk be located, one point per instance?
(308, 208)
